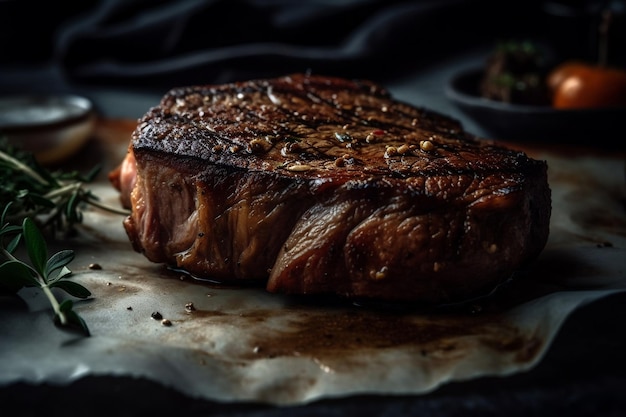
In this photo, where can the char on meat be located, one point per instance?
(322, 185)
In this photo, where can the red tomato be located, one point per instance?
(577, 85)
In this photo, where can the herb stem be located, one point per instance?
(64, 190)
(8, 254)
(55, 304)
(95, 203)
(23, 167)
(72, 187)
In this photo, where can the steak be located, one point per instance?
(310, 184)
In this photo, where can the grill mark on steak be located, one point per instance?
(324, 185)
(288, 117)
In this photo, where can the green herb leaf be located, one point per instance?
(71, 209)
(36, 245)
(91, 175)
(74, 321)
(65, 272)
(10, 229)
(56, 263)
(15, 275)
(72, 288)
(34, 199)
(14, 243)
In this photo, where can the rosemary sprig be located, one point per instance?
(54, 200)
(33, 199)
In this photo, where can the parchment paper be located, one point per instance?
(243, 344)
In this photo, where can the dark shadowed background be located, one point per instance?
(160, 43)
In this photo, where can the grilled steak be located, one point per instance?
(321, 185)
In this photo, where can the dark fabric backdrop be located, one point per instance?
(161, 43)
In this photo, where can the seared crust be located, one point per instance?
(325, 185)
(315, 127)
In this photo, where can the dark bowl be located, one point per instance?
(596, 127)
